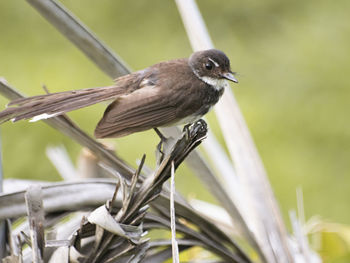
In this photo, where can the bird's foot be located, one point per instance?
(197, 126)
(187, 130)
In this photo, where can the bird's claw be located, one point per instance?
(192, 129)
(186, 129)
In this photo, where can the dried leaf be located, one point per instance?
(103, 218)
(35, 212)
(61, 255)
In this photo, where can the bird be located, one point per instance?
(169, 93)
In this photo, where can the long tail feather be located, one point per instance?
(49, 105)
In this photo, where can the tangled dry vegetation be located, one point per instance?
(105, 220)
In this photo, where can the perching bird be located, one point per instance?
(170, 93)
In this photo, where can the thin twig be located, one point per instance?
(174, 245)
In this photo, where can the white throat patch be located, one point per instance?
(218, 84)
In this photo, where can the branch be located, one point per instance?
(81, 36)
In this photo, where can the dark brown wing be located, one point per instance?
(144, 109)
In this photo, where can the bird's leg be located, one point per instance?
(187, 130)
(161, 136)
(160, 144)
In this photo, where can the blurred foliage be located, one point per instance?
(332, 241)
(293, 60)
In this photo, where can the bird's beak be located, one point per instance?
(229, 76)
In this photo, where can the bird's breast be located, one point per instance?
(212, 94)
(197, 101)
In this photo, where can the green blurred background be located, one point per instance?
(293, 59)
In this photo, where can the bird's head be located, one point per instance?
(211, 66)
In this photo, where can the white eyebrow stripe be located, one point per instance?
(215, 63)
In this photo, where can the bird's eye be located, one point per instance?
(209, 66)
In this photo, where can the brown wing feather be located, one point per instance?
(57, 103)
(142, 110)
(61, 102)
